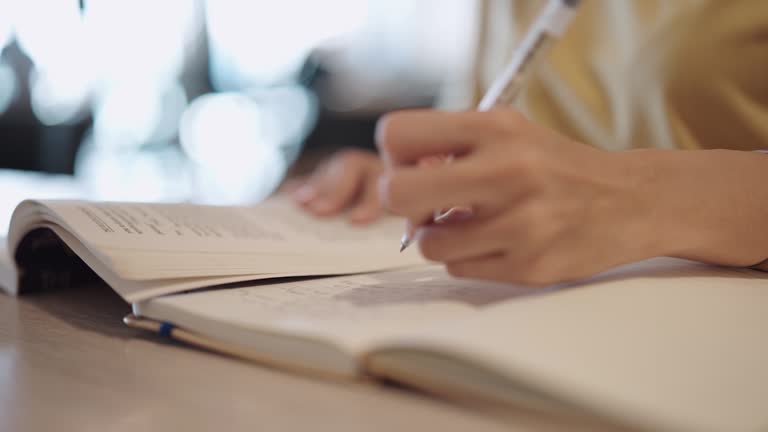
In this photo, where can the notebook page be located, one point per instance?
(351, 311)
(666, 343)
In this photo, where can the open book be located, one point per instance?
(661, 344)
(146, 250)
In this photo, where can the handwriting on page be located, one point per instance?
(423, 287)
(362, 295)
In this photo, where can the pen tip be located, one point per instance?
(405, 241)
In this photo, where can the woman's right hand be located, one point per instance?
(346, 182)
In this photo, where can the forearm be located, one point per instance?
(709, 206)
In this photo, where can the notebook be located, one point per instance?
(663, 344)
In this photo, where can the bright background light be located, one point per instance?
(129, 116)
(50, 32)
(6, 22)
(120, 175)
(256, 43)
(58, 95)
(200, 100)
(141, 40)
(233, 148)
(20, 185)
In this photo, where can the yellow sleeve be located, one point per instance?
(687, 74)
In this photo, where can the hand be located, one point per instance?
(346, 181)
(545, 209)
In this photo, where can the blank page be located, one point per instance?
(665, 343)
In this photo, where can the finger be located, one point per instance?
(453, 214)
(434, 161)
(336, 187)
(503, 268)
(493, 267)
(414, 193)
(404, 137)
(467, 239)
(293, 187)
(308, 188)
(368, 207)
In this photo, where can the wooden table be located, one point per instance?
(67, 363)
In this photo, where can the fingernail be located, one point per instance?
(305, 194)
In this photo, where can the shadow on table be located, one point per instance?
(93, 307)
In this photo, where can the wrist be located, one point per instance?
(702, 205)
(651, 224)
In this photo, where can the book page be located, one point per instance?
(171, 241)
(667, 344)
(276, 225)
(351, 311)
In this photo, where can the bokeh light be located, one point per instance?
(263, 43)
(20, 185)
(140, 40)
(125, 116)
(235, 152)
(50, 32)
(139, 67)
(172, 101)
(6, 23)
(58, 95)
(289, 113)
(151, 175)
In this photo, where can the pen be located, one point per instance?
(548, 26)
